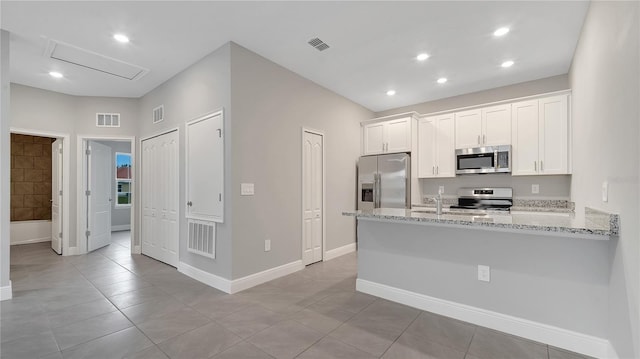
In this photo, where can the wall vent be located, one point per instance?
(108, 119)
(318, 44)
(158, 114)
(202, 238)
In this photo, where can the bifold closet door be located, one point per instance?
(159, 188)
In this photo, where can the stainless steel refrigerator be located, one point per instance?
(384, 181)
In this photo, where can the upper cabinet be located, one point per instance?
(436, 150)
(490, 126)
(540, 134)
(387, 136)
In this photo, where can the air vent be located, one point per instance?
(77, 56)
(318, 44)
(202, 238)
(108, 119)
(158, 114)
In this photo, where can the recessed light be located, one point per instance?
(501, 31)
(391, 92)
(422, 57)
(442, 80)
(507, 63)
(55, 74)
(121, 38)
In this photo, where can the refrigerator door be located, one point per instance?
(393, 180)
(367, 175)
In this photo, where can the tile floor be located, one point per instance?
(111, 304)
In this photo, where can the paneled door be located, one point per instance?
(56, 196)
(312, 196)
(99, 196)
(159, 188)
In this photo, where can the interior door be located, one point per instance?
(99, 196)
(56, 196)
(312, 197)
(159, 185)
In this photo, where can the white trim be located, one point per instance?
(72, 251)
(544, 333)
(137, 250)
(33, 240)
(121, 227)
(212, 280)
(255, 279)
(5, 292)
(324, 193)
(340, 251)
(66, 176)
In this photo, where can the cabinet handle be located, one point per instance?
(437, 169)
(382, 146)
(484, 139)
(478, 139)
(535, 166)
(433, 170)
(541, 166)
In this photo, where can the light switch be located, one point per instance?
(605, 191)
(484, 273)
(535, 188)
(246, 189)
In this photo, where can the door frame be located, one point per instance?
(138, 248)
(66, 174)
(324, 192)
(81, 199)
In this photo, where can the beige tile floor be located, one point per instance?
(111, 304)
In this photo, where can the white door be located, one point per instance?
(445, 161)
(426, 148)
(553, 135)
(468, 129)
(312, 197)
(373, 138)
(56, 196)
(524, 136)
(99, 195)
(159, 186)
(398, 135)
(496, 125)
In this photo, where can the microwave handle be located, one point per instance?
(496, 160)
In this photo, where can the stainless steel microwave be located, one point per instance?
(489, 159)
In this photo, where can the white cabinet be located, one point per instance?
(490, 126)
(540, 135)
(436, 150)
(387, 137)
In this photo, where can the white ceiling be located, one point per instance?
(373, 44)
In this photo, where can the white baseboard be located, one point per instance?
(212, 280)
(121, 227)
(548, 334)
(255, 279)
(71, 251)
(340, 251)
(137, 250)
(5, 292)
(32, 240)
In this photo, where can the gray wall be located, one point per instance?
(605, 78)
(539, 278)
(202, 88)
(41, 110)
(529, 88)
(270, 106)
(120, 216)
(5, 158)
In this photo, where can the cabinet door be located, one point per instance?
(373, 138)
(553, 140)
(524, 136)
(426, 148)
(445, 152)
(398, 135)
(468, 129)
(496, 125)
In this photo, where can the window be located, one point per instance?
(123, 179)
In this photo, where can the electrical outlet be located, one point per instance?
(605, 191)
(484, 273)
(247, 189)
(267, 245)
(535, 188)
(440, 189)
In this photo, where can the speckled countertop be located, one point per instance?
(592, 225)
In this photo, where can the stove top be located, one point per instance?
(485, 199)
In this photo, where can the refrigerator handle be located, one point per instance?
(379, 190)
(376, 190)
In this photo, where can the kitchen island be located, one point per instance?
(549, 272)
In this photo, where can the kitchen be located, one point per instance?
(601, 114)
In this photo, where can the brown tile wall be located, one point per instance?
(30, 177)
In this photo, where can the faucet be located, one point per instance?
(438, 200)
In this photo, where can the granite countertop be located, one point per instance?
(593, 225)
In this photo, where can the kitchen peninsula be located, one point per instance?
(540, 275)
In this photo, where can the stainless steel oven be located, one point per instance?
(489, 159)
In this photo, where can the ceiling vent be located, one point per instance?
(318, 44)
(74, 55)
(108, 119)
(158, 114)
